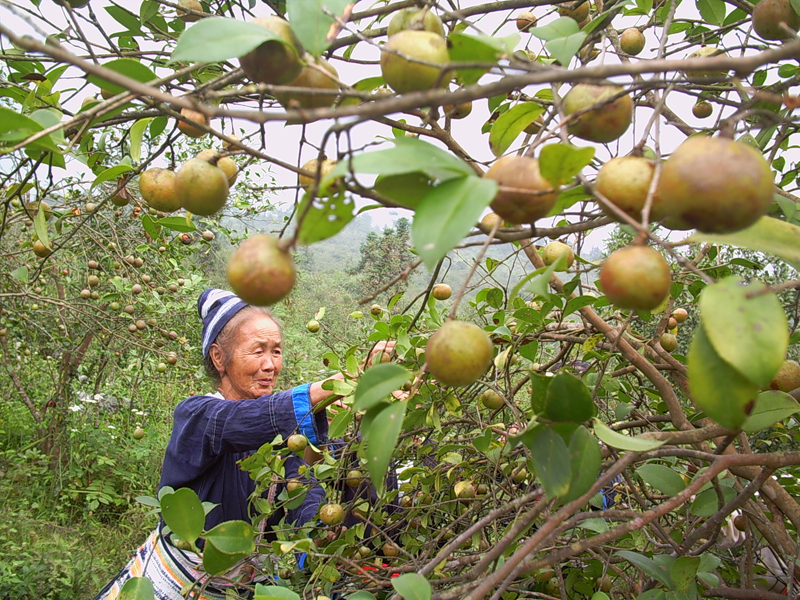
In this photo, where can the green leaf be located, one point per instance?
(110, 173)
(377, 383)
(183, 513)
(15, 128)
(40, 227)
(327, 216)
(181, 224)
(20, 274)
(128, 67)
(563, 49)
(600, 596)
(219, 38)
(648, 565)
(539, 384)
(751, 334)
(135, 137)
(150, 226)
(559, 163)
(683, 572)
(471, 48)
(275, 591)
(769, 235)
(718, 389)
(447, 213)
(551, 460)
(560, 28)
(339, 424)
(568, 400)
(216, 562)
(137, 588)
(712, 11)
(412, 586)
(380, 427)
(575, 304)
(510, 124)
(405, 189)
(707, 503)
(586, 459)
(232, 537)
(662, 478)
(361, 596)
(310, 21)
(623, 442)
(771, 407)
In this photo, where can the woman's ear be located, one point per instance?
(217, 358)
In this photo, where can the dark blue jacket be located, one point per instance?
(209, 435)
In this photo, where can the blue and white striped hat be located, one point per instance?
(216, 308)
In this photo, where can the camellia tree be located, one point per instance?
(562, 435)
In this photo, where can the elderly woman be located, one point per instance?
(243, 352)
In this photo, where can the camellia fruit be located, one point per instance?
(273, 61)
(40, 250)
(526, 21)
(492, 400)
(787, 378)
(415, 18)
(157, 187)
(715, 185)
(625, 181)
(354, 478)
(200, 187)
(297, 443)
(442, 291)
(138, 433)
(635, 277)
(554, 250)
(580, 13)
(331, 514)
(260, 271)
(188, 17)
(311, 166)
(458, 111)
(313, 326)
(459, 353)
(404, 75)
(464, 490)
(390, 549)
(706, 76)
(375, 310)
(192, 131)
(632, 41)
(226, 163)
(523, 195)
(318, 74)
(668, 342)
(680, 314)
(603, 124)
(702, 110)
(771, 17)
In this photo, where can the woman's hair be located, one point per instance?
(229, 334)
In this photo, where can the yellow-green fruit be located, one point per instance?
(625, 181)
(604, 583)
(632, 41)
(404, 75)
(93, 280)
(459, 353)
(554, 250)
(492, 400)
(415, 18)
(787, 378)
(189, 129)
(680, 314)
(635, 277)
(311, 166)
(138, 433)
(354, 478)
(580, 13)
(260, 272)
(442, 291)
(157, 187)
(32, 209)
(293, 484)
(73, 3)
(187, 17)
(274, 62)
(313, 326)
(226, 163)
(331, 514)
(390, 549)
(523, 195)
(770, 17)
(519, 475)
(200, 187)
(464, 490)
(297, 443)
(490, 220)
(715, 185)
(526, 21)
(318, 74)
(458, 111)
(121, 198)
(40, 250)
(706, 76)
(702, 110)
(605, 123)
(668, 342)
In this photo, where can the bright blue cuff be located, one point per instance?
(302, 412)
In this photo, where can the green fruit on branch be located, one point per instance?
(625, 181)
(773, 18)
(459, 353)
(297, 443)
(787, 378)
(604, 583)
(442, 291)
(706, 76)
(138, 433)
(331, 514)
(390, 549)
(415, 18)
(293, 484)
(464, 490)
(668, 342)
(702, 110)
(226, 163)
(400, 61)
(526, 21)
(260, 271)
(715, 185)
(680, 314)
(32, 208)
(121, 198)
(188, 17)
(632, 41)
(157, 187)
(313, 326)
(189, 129)
(311, 166)
(40, 250)
(523, 195)
(318, 75)
(93, 280)
(201, 187)
(85, 294)
(554, 250)
(605, 123)
(354, 478)
(492, 400)
(490, 220)
(458, 111)
(579, 13)
(273, 61)
(635, 277)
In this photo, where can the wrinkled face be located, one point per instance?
(255, 361)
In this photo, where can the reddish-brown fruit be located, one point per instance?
(459, 353)
(787, 378)
(404, 75)
(157, 187)
(523, 195)
(605, 123)
(635, 277)
(715, 185)
(274, 62)
(625, 181)
(318, 74)
(632, 41)
(442, 291)
(702, 110)
(770, 16)
(260, 272)
(200, 187)
(189, 129)
(409, 18)
(526, 20)
(740, 522)
(672, 323)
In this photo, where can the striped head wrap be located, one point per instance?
(216, 308)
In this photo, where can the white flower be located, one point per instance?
(89, 399)
(75, 408)
(111, 427)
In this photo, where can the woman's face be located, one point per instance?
(256, 360)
